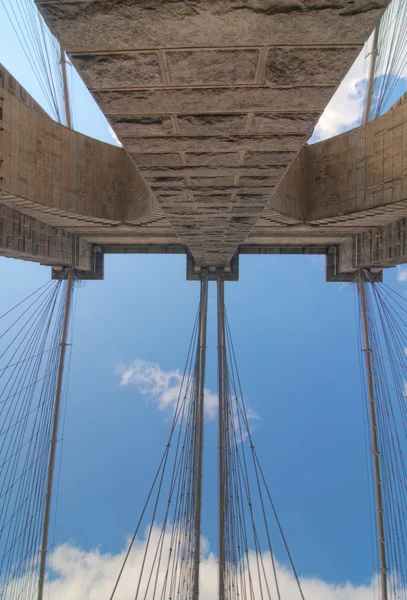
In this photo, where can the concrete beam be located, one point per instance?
(215, 83)
(26, 238)
(59, 176)
(359, 176)
(209, 23)
(375, 249)
(353, 186)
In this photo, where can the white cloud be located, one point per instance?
(79, 574)
(164, 388)
(114, 136)
(344, 110)
(401, 274)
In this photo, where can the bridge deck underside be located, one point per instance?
(213, 101)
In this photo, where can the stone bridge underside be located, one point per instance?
(213, 101)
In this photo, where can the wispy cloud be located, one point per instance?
(114, 136)
(401, 274)
(164, 388)
(79, 574)
(344, 110)
(160, 386)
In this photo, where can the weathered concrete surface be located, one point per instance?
(353, 186)
(84, 24)
(27, 238)
(62, 176)
(214, 83)
(59, 190)
(217, 133)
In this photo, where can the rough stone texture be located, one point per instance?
(216, 99)
(157, 160)
(219, 83)
(307, 64)
(212, 124)
(243, 143)
(115, 70)
(221, 159)
(113, 24)
(268, 158)
(214, 171)
(283, 122)
(216, 67)
(143, 126)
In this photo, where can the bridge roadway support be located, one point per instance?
(213, 100)
(350, 193)
(62, 193)
(54, 437)
(66, 199)
(200, 426)
(374, 437)
(221, 443)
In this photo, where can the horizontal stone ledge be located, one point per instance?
(250, 143)
(163, 192)
(147, 160)
(288, 240)
(263, 228)
(137, 69)
(116, 25)
(213, 171)
(226, 100)
(213, 182)
(367, 215)
(125, 241)
(28, 238)
(210, 124)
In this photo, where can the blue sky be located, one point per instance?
(296, 344)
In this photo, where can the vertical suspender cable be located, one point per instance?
(369, 369)
(66, 89)
(199, 426)
(221, 442)
(54, 437)
(56, 415)
(51, 467)
(375, 443)
(370, 82)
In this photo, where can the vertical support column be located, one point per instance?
(370, 81)
(368, 361)
(375, 443)
(54, 437)
(221, 442)
(199, 432)
(66, 88)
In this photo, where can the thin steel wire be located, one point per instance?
(387, 322)
(29, 354)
